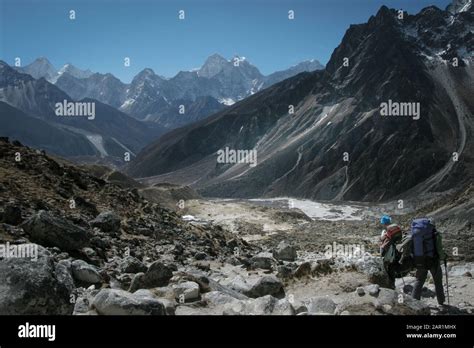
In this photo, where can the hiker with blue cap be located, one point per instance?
(390, 237)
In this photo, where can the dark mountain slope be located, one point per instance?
(337, 111)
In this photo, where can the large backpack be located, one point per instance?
(390, 253)
(423, 241)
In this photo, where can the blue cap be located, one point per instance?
(384, 220)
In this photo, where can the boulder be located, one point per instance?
(85, 273)
(373, 289)
(131, 264)
(12, 214)
(188, 291)
(285, 252)
(258, 286)
(265, 305)
(262, 260)
(217, 298)
(120, 302)
(107, 221)
(303, 270)
(158, 274)
(170, 306)
(320, 305)
(387, 301)
(30, 286)
(360, 291)
(49, 230)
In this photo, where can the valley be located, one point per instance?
(222, 190)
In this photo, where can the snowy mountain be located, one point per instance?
(339, 144)
(459, 6)
(30, 116)
(151, 97)
(39, 68)
(74, 72)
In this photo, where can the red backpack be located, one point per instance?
(393, 233)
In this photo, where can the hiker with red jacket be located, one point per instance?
(390, 237)
(427, 251)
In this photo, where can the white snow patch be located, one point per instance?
(320, 211)
(227, 101)
(98, 142)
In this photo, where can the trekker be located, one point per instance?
(427, 250)
(390, 237)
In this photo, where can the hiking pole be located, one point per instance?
(447, 284)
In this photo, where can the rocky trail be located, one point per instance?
(102, 248)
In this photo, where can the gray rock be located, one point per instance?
(158, 274)
(189, 291)
(283, 307)
(63, 272)
(262, 260)
(265, 305)
(303, 270)
(107, 221)
(285, 252)
(12, 215)
(465, 269)
(387, 301)
(215, 286)
(373, 289)
(299, 307)
(258, 287)
(392, 302)
(86, 273)
(131, 264)
(49, 230)
(217, 298)
(200, 256)
(373, 268)
(320, 305)
(120, 302)
(360, 291)
(32, 287)
(170, 306)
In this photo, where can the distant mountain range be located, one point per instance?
(151, 97)
(29, 95)
(28, 113)
(337, 145)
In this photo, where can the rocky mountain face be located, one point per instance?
(92, 245)
(108, 133)
(150, 97)
(105, 88)
(337, 144)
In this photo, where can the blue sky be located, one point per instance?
(150, 33)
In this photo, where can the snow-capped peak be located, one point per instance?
(75, 72)
(41, 67)
(459, 6)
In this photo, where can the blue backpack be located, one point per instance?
(423, 241)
